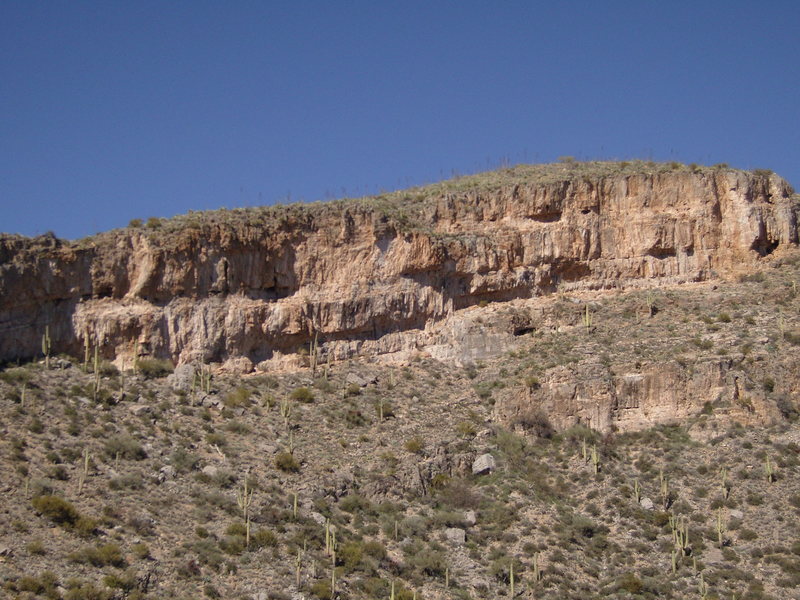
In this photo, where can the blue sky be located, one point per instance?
(111, 110)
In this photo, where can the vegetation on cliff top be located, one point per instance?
(405, 209)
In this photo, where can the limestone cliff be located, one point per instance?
(247, 286)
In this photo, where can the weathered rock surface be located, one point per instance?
(592, 395)
(455, 536)
(244, 287)
(485, 463)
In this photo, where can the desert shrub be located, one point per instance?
(323, 385)
(536, 421)
(415, 445)
(375, 549)
(355, 417)
(59, 472)
(153, 368)
(237, 427)
(353, 503)
(351, 554)
(216, 439)
(131, 481)
(238, 398)
(302, 394)
(124, 446)
(429, 562)
(458, 493)
(16, 376)
(107, 369)
(45, 584)
(141, 551)
(236, 528)
(787, 408)
(262, 538)
(142, 525)
(352, 390)
(383, 407)
(125, 581)
(579, 527)
(286, 462)
(85, 527)
(747, 534)
(500, 568)
(232, 544)
(56, 509)
(36, 547)
(321, 589)
(629, 583)
(99, 556)
(85, 590)
(183, 460)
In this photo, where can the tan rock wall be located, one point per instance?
(256, 287)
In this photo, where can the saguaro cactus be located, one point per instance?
(46, 346)
(244, 499)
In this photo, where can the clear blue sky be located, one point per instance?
(112, 110)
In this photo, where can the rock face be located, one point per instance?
(659, 393)
(248, 286)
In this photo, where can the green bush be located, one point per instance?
(141, 551)
(85, 590)
(36, 547)
(500, 569)
(56, 509)
(415, 445)
(353, 503)
(302, 394)
(630, 583)
(125, 581)
(99, 556)
(351, 554)
(183, 461)
(45, 584)
(238, 398)
(153, 368)
(321, 589)
(131, 481)
(107, 369)
(287, 463)
(429, 562)
(124, 446)
(262, 538)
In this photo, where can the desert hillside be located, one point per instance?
(558, 381)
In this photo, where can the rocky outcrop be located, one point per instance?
(595, 396)
(248, 286)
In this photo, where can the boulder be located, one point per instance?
(485, 463)
(455, 536)
(182, 377)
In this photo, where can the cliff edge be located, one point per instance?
(246, 286)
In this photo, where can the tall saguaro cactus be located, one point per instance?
(244, 499)
(46, 346)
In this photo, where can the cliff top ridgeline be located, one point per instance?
(257, 284)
